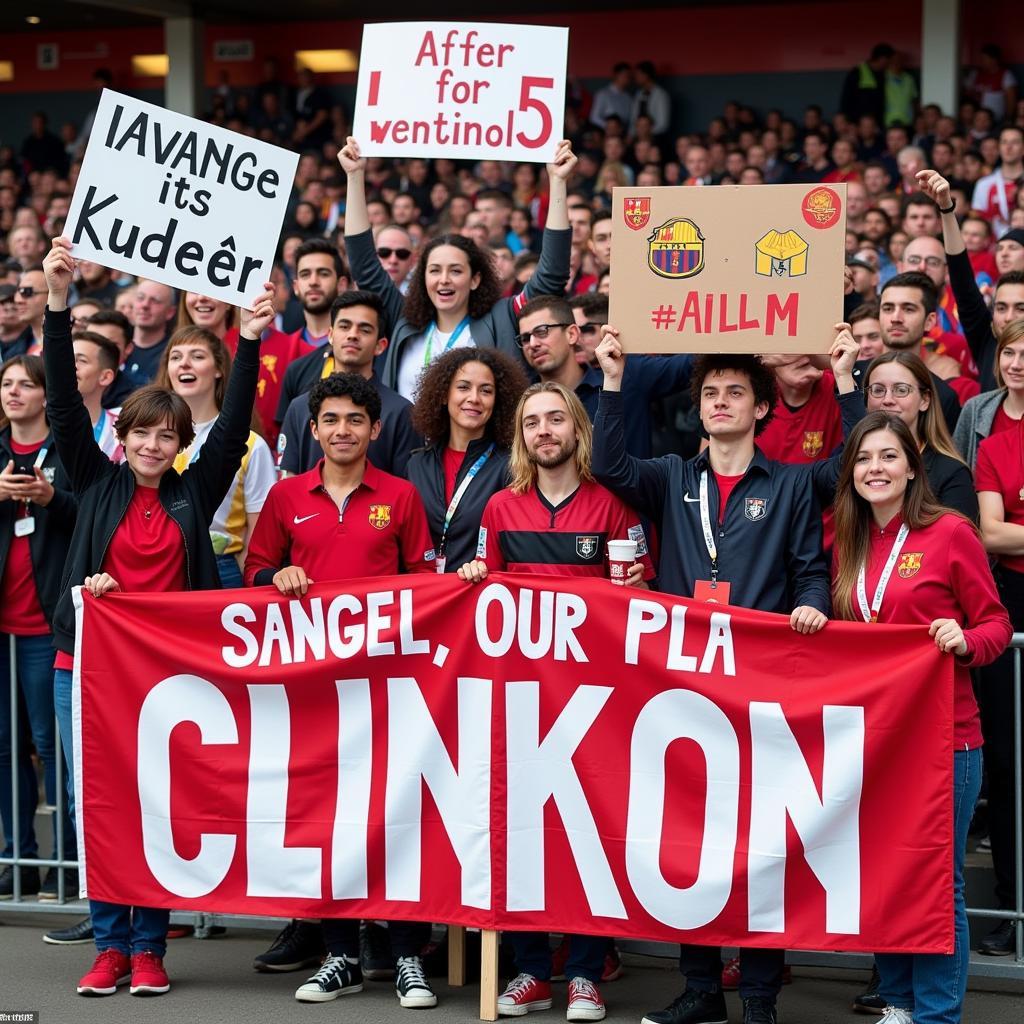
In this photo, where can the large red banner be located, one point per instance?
(533, 752)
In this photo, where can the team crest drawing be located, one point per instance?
(636, 212)
(821, 207)
(910, 564)
(755, 508)
(586, 546)
(380, 516)
(781, 254)
(269, 364)
(814, 441)
(676, 249)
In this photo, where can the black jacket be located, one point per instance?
(49, 541)
(975, 318)
(426, 474)
(104, 490)
(769, 547)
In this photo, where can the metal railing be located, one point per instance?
(981, 966)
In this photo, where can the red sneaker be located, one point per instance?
(585, 1002)
(110, 969)
(524, 994)
(148, 975)
(612, 965)
(731, 974)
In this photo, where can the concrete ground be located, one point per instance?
(213, 983)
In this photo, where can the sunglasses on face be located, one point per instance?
(589, 328)
(540, 332)
(385, 253)
(28, 291)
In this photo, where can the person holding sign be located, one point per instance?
(141, 526)
(466, 409)
(715, 510)
(920, 563)
(454, 298)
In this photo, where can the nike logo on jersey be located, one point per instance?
(686, 497)
(302, 519)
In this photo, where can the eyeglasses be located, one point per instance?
(385, 253)
(540, 332)
(932, 262)
(28, 291)
(898, 390)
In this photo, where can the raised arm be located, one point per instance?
(362, 253)
(641, 483)
(70, 423)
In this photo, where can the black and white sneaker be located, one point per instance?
(411, 983)
(337, 977)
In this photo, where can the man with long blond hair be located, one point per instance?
(554, 518)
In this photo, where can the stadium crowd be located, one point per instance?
(433, 335)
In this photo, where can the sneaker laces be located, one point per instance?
(285, 935)
(330, 965)
(148, 958)
(108, 955)
(518, 985)
(585, 989)
(410, 970)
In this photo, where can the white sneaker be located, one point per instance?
(585, 1002)
(895, 1015)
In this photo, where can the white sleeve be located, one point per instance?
(259, 475)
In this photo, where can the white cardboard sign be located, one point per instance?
(461, 90)
(180, 201)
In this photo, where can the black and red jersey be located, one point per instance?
(526, 533)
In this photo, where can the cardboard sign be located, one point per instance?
(182, 202)
(461, 90)
(733, 268)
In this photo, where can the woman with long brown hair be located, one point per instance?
(196, 365)
(465, 408)
(901, 557)
(898, 383)
(454, 297)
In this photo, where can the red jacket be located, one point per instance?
(943, 573)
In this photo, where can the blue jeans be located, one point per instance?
(533, 955)
(115, 926)
(33, 657)
(230, 574)
(932, 985)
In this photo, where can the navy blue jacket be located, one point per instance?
(769, 547)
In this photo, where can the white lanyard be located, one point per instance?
(871, 614)
(458, 495)
(705, 522)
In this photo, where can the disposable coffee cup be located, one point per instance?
(621, 555)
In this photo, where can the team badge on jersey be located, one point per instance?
(636, 212)
(676, 249)
(586, 546)
(755, 508)
(380, 516)
(814, 441)
(909, 564)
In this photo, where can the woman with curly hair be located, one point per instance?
(454, 297)
(465, 408)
